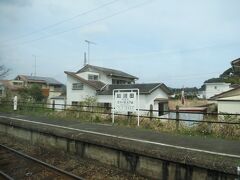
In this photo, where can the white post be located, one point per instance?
(113, 107)
(15, 103)
(138, 106)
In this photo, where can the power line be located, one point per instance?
(62, 21)
(90, 23)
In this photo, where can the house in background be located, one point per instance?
(105, 75)
(99, 82)
(50, 86)
(213, 87)
(90, 79)
(10, 88)
(229, 101)
(226, 81)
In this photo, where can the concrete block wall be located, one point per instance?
(133, 162)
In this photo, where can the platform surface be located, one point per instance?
(223, 147)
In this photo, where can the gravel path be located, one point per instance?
(89, 169)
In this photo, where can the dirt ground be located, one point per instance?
(188, 103)
(86, 168)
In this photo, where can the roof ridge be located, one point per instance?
(109, 71)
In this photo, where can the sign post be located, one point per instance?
(125, 100)
(15, 103)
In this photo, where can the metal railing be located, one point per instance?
(149, 113)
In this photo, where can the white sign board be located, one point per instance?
(125, 100)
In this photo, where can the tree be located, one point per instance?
(3, 71)
(35, 92)
(32, 93)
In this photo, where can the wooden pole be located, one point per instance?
(151, 112)
(53, 105)
(177, 118)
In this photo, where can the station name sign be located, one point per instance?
(125, 101)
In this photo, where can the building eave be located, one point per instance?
(72, 74)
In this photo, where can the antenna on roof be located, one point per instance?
(88, 43)
(85, 59)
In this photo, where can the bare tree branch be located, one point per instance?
(3, 71)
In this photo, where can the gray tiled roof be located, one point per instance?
(47, 80)
(143, 88)
(95, 84)
(107, 71)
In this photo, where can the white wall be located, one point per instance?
(216, 88)
(105, 79)
(102, 77)
(78, 95)
(229, 107)
(84, 75)
(145, 100)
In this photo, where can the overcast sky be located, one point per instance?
(179, 43)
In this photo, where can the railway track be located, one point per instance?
(16, 165)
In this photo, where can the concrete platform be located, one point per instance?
(209, 153)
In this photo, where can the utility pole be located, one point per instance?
(35, 64)
(88, 44)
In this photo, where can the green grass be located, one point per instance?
(168, 126)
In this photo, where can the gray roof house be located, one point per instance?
(99, 82)
(50, 86)
(38, 80)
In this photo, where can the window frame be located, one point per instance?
(77, 86)
(94, 77)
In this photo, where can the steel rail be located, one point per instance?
(39, 162)
(5, 176)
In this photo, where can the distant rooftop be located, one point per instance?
(39, 79)
(107, 71)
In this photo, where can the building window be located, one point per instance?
(117, 81)
(93, 77)
(1, 92)
(77, 86)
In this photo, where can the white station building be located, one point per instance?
(99, 82)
